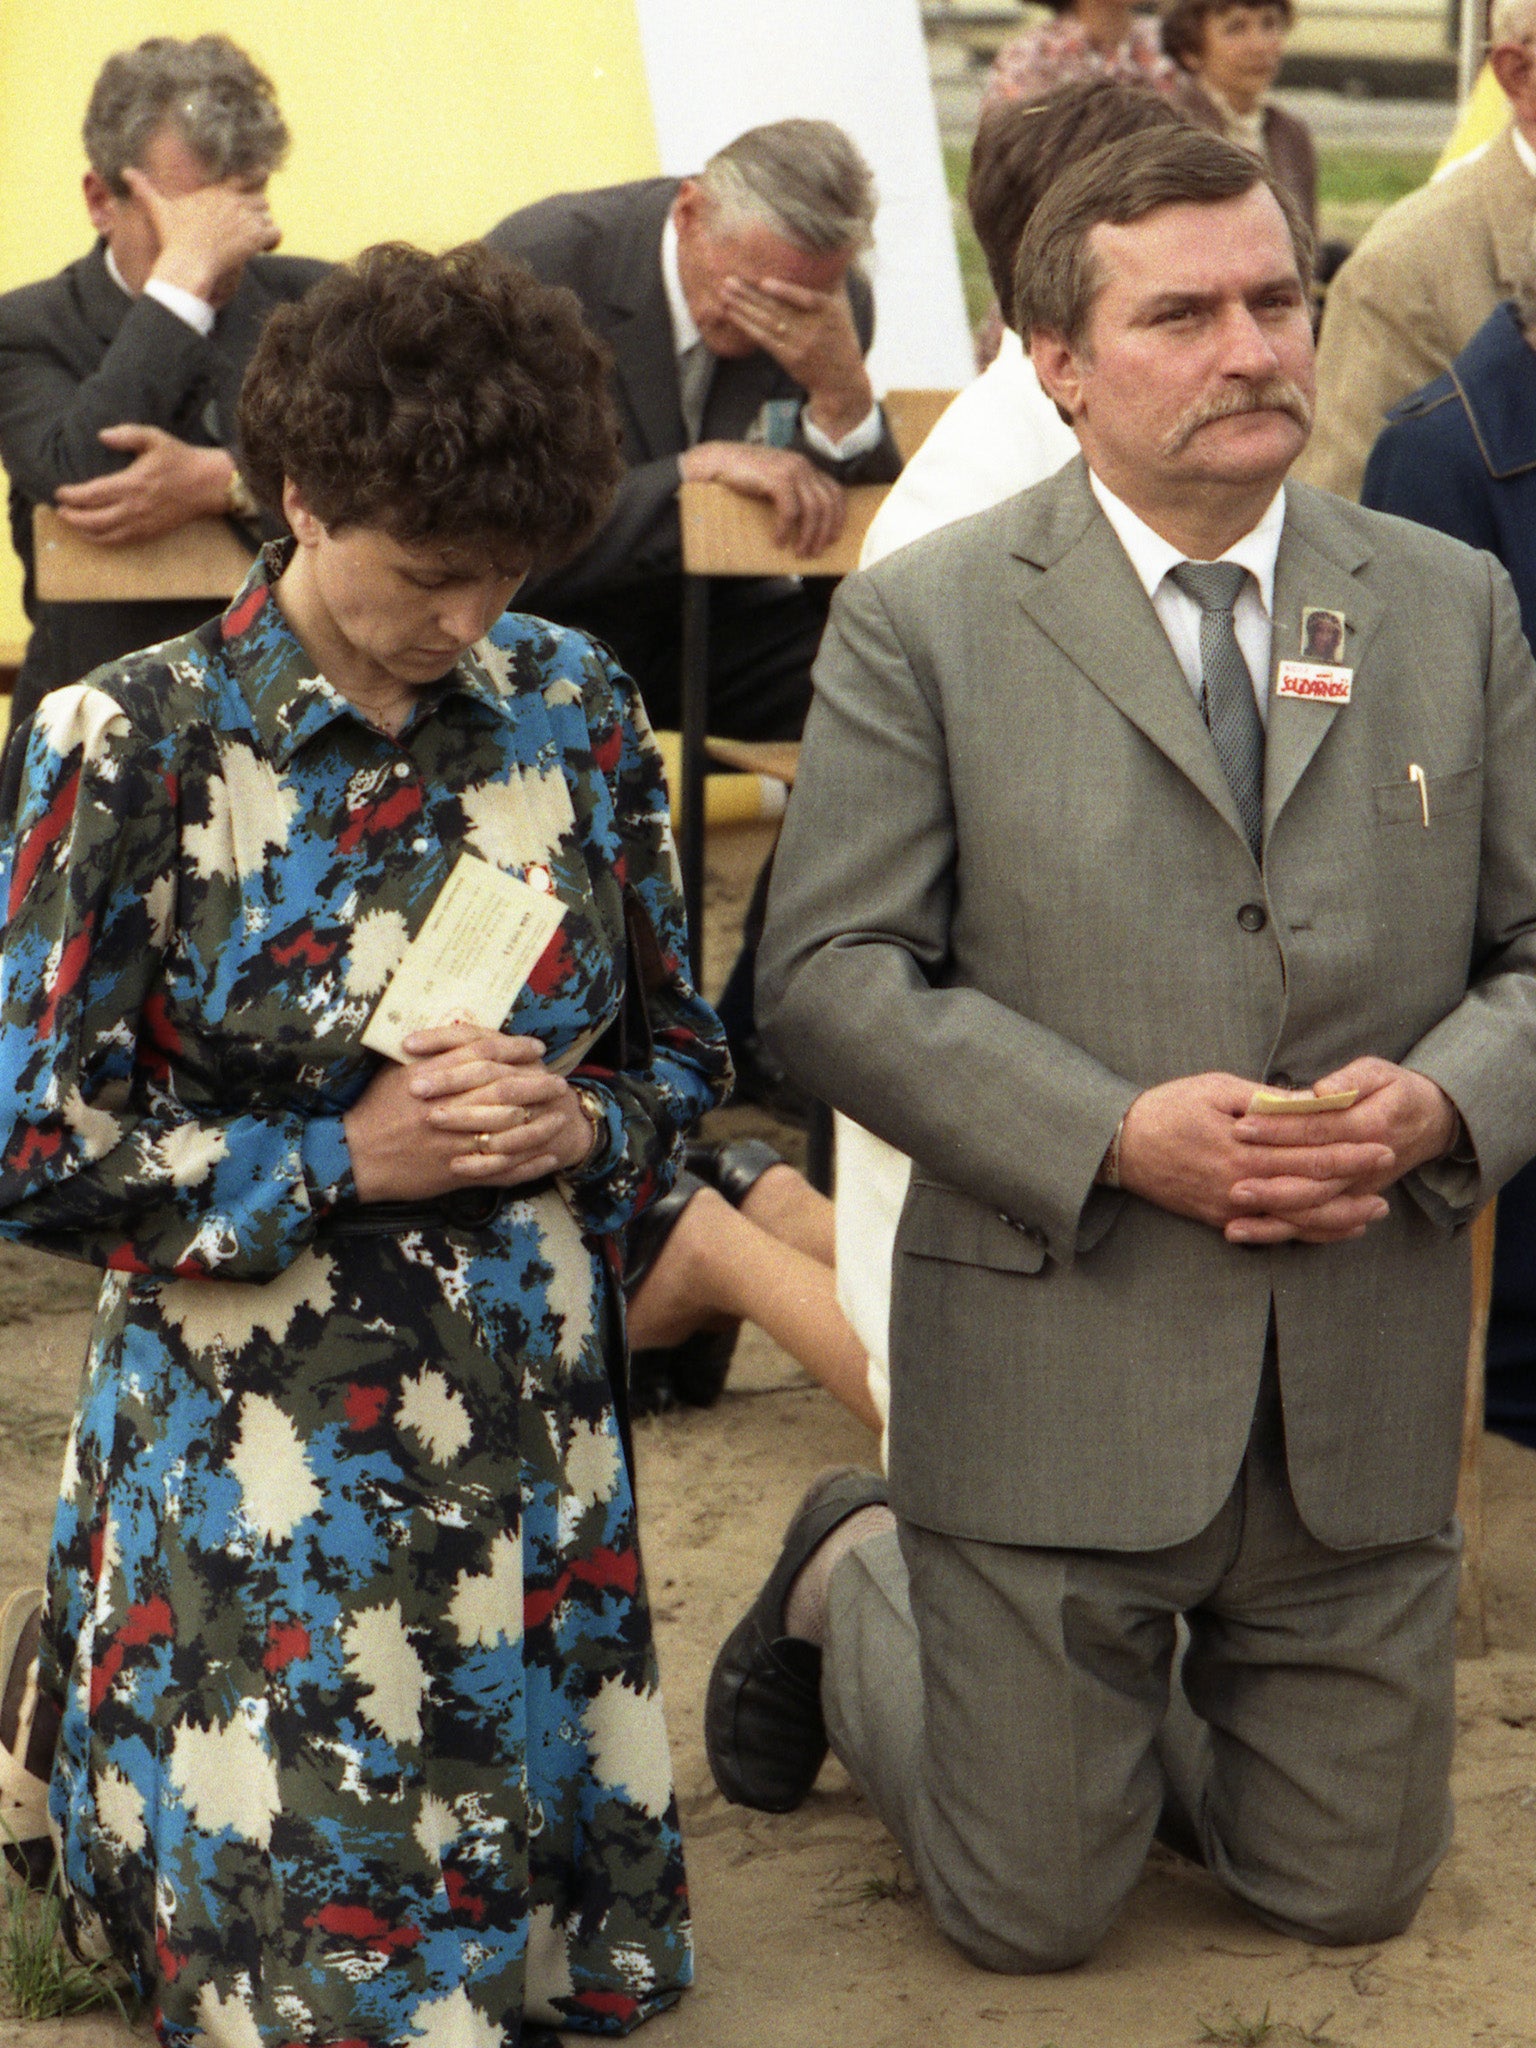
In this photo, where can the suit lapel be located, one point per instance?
(104, 306)
(639, 330)
(1090, 604)
(1315, 568)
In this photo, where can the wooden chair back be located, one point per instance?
(204, 558)
(911, 416)
(727, 534)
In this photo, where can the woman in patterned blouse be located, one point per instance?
(361, 1735)
(1087, 39)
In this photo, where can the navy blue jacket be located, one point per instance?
(1460, 455)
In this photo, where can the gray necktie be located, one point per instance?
(695, 368)
(1226, 688)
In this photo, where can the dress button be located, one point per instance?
(419, 846)
(402, 767)
(1253, 917)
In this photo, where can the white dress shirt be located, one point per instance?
(996, 437)
(858, 440)
(1179, 614)
(187, 306)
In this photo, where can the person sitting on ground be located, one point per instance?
(999, 436)
(739, 322)
(1232, 51)
(1428, 273)
(119, 377)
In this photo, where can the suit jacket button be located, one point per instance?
(1253, 917)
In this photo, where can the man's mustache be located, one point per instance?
(1275, 394)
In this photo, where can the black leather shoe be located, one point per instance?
(760, 1079)
(732, 1169)
(763, 1726)
(687, 1375)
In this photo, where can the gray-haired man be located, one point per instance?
(118, 377)
(738, 326)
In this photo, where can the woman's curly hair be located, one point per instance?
(449, 398)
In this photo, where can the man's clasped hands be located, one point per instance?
(1193, 1146)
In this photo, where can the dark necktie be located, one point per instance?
(1226, 688)
(695, 368)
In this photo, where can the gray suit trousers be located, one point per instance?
(1015, 1717)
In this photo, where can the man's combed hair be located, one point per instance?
(805, 179)
(450, 398)
(1055, 276)
(221, 104)
(1022, 146)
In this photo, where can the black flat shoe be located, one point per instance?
(763, 1727)
(687, 1375)
(734, 1168)
(649, 1232)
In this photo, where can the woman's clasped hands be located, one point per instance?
(474, 1107)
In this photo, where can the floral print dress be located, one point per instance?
(362, 1737)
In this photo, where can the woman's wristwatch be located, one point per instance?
(595, 1111)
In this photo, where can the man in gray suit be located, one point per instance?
(118, 377)
(1121, 858)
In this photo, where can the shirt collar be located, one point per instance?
(685, 329)
(114, 273)
(289, 702)
(1152, 556)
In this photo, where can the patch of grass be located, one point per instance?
(1233, 2031)
(1348, 175)
(973, 265)
(39, 1978)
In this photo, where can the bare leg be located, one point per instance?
(718, 1263)
(784, 1203)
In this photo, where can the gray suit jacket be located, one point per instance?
(77, 354)
(1012, 892)
(606, 247)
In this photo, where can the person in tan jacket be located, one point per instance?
(1428, 274)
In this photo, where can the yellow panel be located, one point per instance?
(1485, 115)
(411, 120)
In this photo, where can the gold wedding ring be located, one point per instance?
(482, 1141)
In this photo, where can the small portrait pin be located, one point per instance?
(1322, 634)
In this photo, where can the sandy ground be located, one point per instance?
(810, 1930)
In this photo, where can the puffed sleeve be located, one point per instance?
(652, 1107)
(100, 1158)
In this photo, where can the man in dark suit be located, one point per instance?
(738, 327)
(118, 377)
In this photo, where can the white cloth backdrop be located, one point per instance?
(716, 67)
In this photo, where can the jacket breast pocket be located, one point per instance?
(939, 1222)
(1442, 796)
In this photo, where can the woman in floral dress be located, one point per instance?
(361, 1735)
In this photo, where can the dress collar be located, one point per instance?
(289, 702)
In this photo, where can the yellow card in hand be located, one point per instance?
(471, 958)
(1271, 1102)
